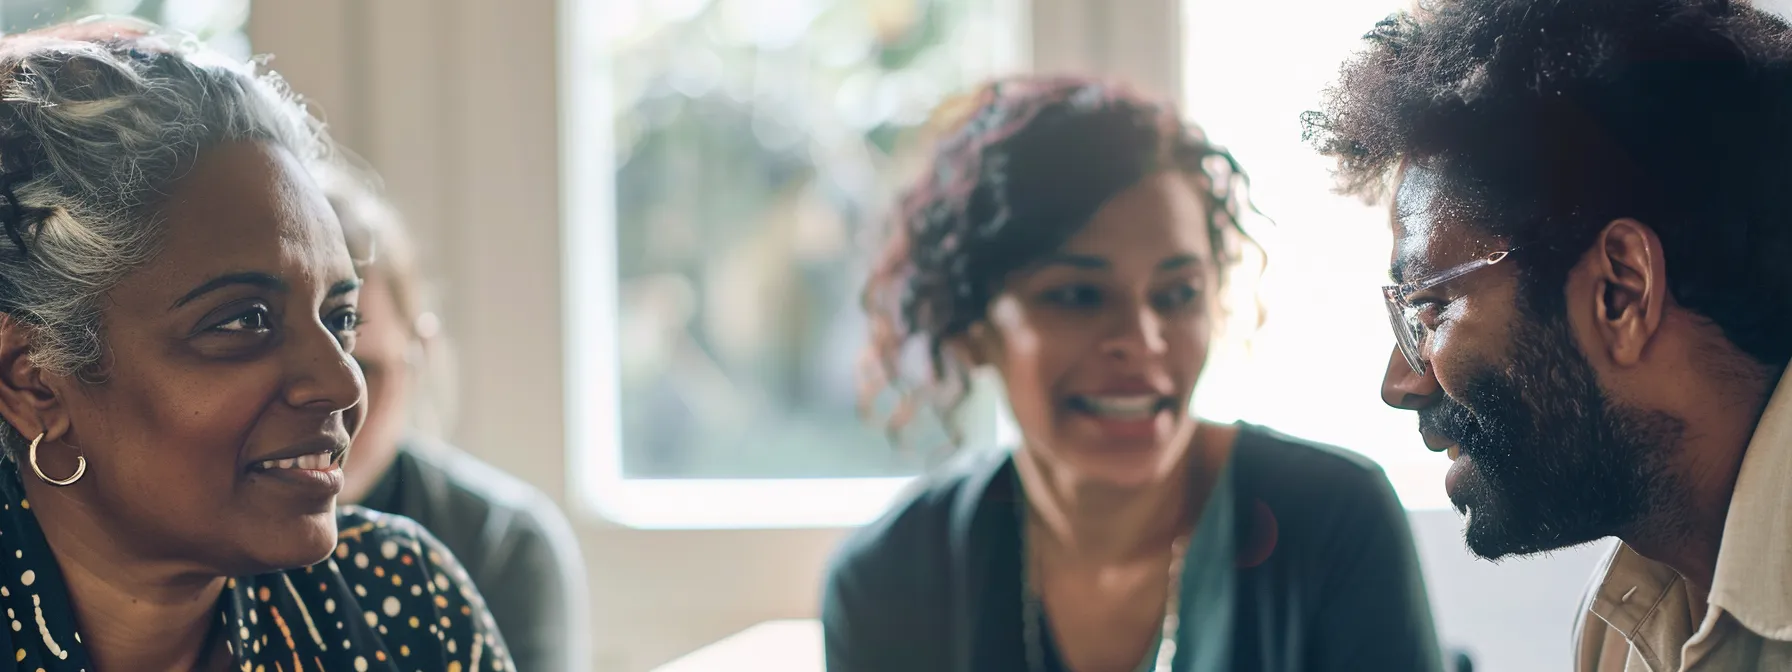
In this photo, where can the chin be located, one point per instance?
(292, 543)
(1498, 528)
(1492, 535)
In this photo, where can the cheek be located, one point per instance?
(187, 425)
(1460, 349)
(1187, 341)
(1031, 355)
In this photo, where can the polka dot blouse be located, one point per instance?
(389, 598)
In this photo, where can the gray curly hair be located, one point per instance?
(97, 119)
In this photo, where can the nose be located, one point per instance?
(321, 376)
(1404, 388)
(1137, 336)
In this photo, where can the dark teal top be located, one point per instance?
(1303, 562)
(389, 598)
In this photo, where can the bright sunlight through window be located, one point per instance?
(1314, 370)
(727, 161)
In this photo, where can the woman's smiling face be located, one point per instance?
(213, 430)
(1100, 344)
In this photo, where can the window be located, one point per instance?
(1329, 253)
(718, 208)
(716, 218)
(219, 23)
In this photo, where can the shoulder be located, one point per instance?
(380, 543)
(1321, 500)
(380, 547)
(389, 585)
(919, 523)
(495, 514)
(889, 583)
(903, 557)
(396, 556)
(1274, 465)
(473, 483)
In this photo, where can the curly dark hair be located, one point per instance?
(1548, 119)
(1031, 162)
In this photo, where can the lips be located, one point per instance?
(322, 453)
(1436, 442)
(1453, 478)
(1439, 427)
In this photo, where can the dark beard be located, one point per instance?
(1556, 462)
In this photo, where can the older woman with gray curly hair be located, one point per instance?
(177, 312)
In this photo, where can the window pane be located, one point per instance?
(220, 23)
(756, 144)
(1315, 368)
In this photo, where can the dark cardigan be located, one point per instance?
(1325, 576)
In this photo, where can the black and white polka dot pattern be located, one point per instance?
(390, 598)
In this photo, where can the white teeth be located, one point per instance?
(1130, 406)
(314, 461)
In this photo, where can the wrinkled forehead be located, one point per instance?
(1435, 227)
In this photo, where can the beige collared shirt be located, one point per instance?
(1639, 617)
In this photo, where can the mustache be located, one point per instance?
(1450, 419)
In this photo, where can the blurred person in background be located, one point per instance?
(514, 542)
(1593, 300)
(177, 309)
(1074, 238)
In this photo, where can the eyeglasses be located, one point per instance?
(1409, 332)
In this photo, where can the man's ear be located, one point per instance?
(1630, 281)
(28, 396)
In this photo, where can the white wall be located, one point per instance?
(1515, 616)
(455, 101)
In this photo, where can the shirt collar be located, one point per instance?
(1646, 601)
(1753, 581)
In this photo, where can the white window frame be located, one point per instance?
(1138, 40)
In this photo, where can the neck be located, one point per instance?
(133, 614)
(1686, 529)
(1096, 524)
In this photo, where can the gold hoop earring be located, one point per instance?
(80, 466)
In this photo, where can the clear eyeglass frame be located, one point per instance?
(1409, 332)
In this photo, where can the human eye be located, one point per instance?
(1426, 311)
(1074, 296)
(255, 319)
(1178, 296)
(344, 322)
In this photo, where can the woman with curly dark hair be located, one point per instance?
(1073, 237)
